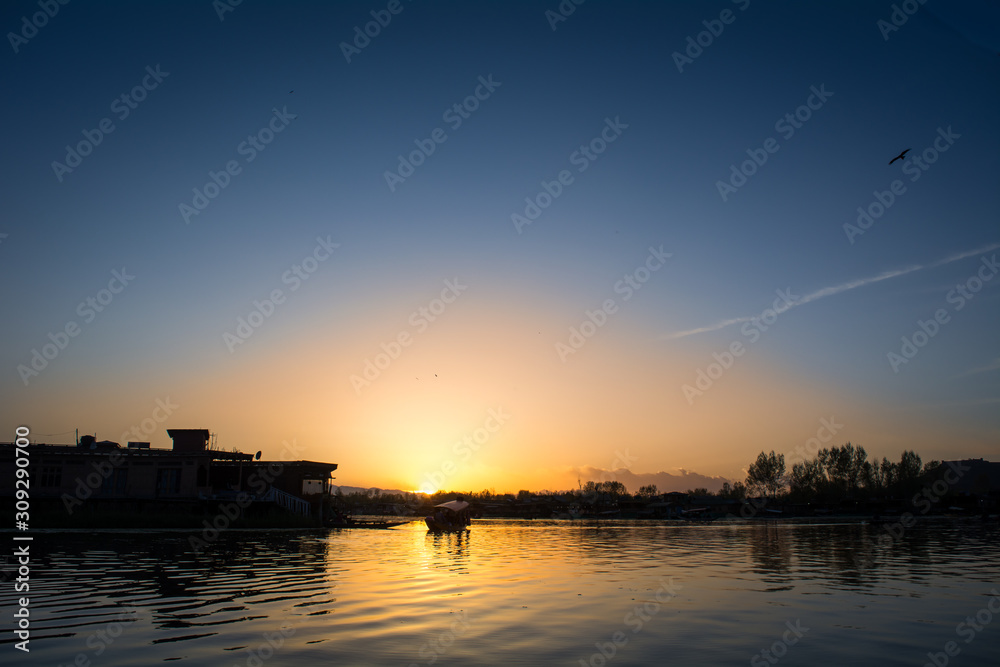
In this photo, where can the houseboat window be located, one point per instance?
(168, 480)
(51, 476)
(115, 483)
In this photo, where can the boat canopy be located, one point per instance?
(454, 505)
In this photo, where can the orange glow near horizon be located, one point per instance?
(484, 402)
(523, 304)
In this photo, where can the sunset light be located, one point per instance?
(450, 332)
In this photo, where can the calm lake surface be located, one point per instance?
(516, 592)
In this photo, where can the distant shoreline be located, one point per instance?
(289, 523)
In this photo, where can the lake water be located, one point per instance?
(517, 592)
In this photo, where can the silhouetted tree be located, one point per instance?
(736, 490)
(844, 467)
(890, 473)
(909, 466)
(647, 491)
(876, 482)
(612, 488)
(908, 473)
(767, 473)
(807, 480)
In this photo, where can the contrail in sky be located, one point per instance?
(836, 289)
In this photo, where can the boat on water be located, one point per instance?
(450, 516)
(698, 514)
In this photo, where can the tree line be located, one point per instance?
(836, 473)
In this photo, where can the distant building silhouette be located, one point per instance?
(972, 484)
(190, 471)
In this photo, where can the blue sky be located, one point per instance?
(323, 176)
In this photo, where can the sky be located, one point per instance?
(492, 245)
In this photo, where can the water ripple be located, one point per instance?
(516, 591)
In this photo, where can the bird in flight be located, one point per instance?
(901, 156)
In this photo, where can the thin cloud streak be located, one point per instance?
(988, 368)
(713, 327)
(972, 402)
(836, 289)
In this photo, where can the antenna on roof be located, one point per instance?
(256, 457)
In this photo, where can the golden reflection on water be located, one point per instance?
(510, 591)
